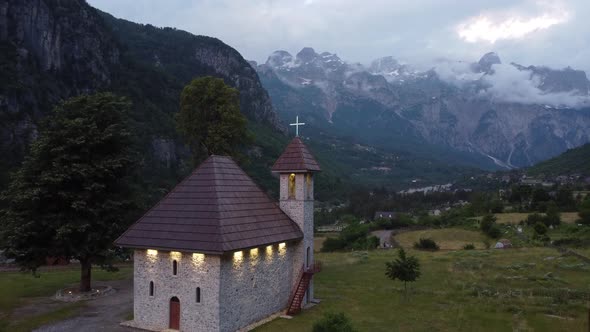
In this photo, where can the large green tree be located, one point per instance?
(73, 194)
(210, 120)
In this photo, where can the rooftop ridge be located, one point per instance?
(296, 158)
(216, 209)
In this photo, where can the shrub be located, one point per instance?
(534, 218)
(494, 232)
(333, 322)
(469, 246)
(540, 228)
(487, 222)
(426, 244)
(333, 244)
(352, 237)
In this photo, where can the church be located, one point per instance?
(217, 254)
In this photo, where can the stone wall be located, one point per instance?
(255, 285)
(300, 209)
(152, 312)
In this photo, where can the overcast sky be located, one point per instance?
(550, 32)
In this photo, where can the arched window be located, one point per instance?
(151, 288)
(308, 186)
(292, 185)
(198, 294)
(174, 267)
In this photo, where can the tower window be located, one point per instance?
(198, 294)
(308, 186)
(151, 288)
(292, 185)
(174, 267)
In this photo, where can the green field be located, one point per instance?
(526, 289)
(516, 217)
(19, 289)
(529, 289)
(447, 239)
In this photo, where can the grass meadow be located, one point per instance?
(526, 289)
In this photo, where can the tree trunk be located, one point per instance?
(86, 270)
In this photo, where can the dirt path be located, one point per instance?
(102, 314)
(384, 237)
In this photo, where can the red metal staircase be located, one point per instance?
(305, 276)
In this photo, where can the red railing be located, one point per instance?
(294, 291)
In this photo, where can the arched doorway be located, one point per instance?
(174, 313)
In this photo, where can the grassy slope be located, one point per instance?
(517, 217)
(572, 161)
(459, 291)
(447, 239)
(17, 288)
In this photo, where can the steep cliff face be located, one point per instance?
(51, 50)
(185, 56)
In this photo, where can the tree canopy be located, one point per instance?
(73, 194)
(404, 268)
(210, 120)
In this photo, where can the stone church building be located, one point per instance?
(217, 254)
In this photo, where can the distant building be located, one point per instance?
(385, 215)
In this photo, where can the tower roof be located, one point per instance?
(216, 209)
(296, 158)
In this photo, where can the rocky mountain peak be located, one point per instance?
(559, 80)
(307, 54)
(484, 65)
(384, 65)
(279, 59)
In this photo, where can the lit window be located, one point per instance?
(174, 267)
(292, 185)
(152, 252)
(151, 288)
(254, 252)
(198, 294)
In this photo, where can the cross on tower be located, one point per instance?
(297, 124)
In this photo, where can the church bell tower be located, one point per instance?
(296, 168)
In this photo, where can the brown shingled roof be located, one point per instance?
(216, 209)
(296, 158)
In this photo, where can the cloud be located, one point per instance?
(507, 83)
(483, 28)
(417, 31)
(510, 84)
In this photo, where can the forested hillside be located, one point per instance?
(570, 162)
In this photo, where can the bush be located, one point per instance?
(426, 244)
(488, 226)
(494, 232)
(487, 222)
(540, 228)
(533, 218)
(469, 246)
(354, 236)
(333, 244)
(333, 322)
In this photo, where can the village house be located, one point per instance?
(217, 254)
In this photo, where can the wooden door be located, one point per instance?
(174, 313)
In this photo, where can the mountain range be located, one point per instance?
(484, 114)
(383, 124)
